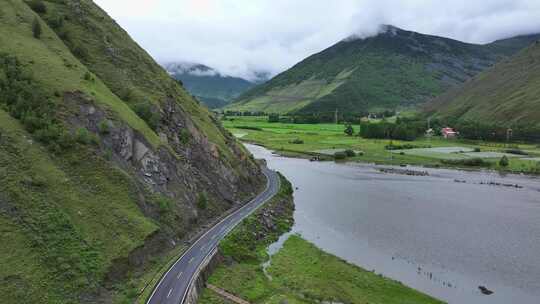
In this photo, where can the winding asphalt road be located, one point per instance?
(174, 285)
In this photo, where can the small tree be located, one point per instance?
(103, 127)
(202, 201)
(504, 161)
(36, 28)
(349, 130)
(83, 136)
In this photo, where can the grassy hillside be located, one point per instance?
(508, 94)
(104, 159)
(395, 69)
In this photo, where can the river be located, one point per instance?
(435, 234)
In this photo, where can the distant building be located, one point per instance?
(449, 133)
(430, 132)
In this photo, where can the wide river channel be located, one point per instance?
(444, 234)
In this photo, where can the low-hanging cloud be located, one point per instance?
(241, 37)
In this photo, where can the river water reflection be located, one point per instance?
(432, 233)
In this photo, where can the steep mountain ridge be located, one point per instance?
(392, 70)
(105, 161)
(507, 95)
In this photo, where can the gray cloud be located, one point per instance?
(238, 37)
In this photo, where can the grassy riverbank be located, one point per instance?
(300, 272)
(306, 140)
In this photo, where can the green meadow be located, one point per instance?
(308, 140)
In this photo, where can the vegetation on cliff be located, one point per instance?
(103, 157)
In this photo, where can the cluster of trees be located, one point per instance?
(496, 132)
(273, 118)
(476, 130)
(244, 113)
(403, 129)
(56, 21)
(26, 102)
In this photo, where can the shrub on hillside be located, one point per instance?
(79, 51)
(36, 28)
(202, 201)
(83, 136)
(350, 153)
(185, 136)
(103, 127)
(55, 21)
(26, 101)
(296, 141)
(145, 112)
(38, 6)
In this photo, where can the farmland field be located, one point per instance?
(307, 140)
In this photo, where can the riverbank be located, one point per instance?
(431, 232)
(321, 141)
(299, 272)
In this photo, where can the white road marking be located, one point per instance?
(169, 294)
(214, 236)
(179, 275)
(203, 248)
(191, 260)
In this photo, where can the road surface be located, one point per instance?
(173, 287)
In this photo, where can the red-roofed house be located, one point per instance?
(449, 133)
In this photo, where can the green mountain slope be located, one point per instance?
(208, 85)
(394, 69)
(106, 163)
(507, 95)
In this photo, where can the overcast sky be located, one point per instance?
(239, 36)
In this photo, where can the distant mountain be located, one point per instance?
(507, 95)
(212, 88)
(394, 69)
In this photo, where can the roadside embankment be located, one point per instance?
(248, 241)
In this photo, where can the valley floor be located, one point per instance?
(323, 140)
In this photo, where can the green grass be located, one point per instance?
(52, 65)
(278, 136)
(65, 210)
